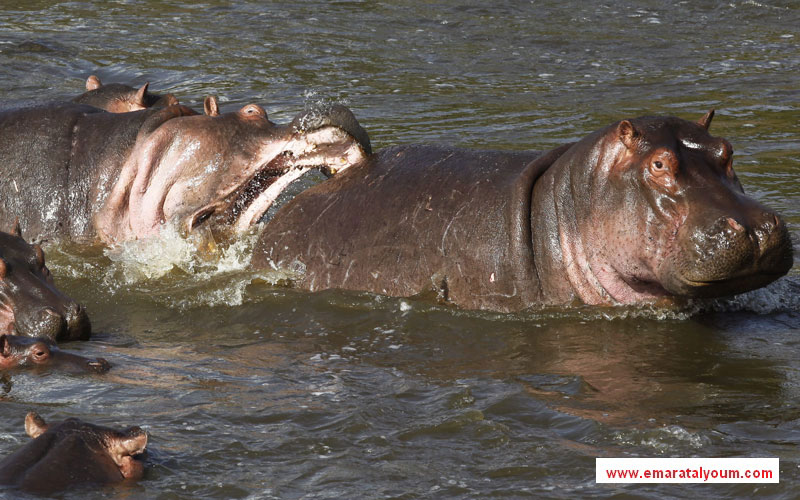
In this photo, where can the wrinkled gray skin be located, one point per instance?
(30, 304)
(74, 171)
(120, 98)
(72, 453)
(27, 352)
(645, 210)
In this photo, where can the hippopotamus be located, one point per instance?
(645, 210)
(120, 98)
(30, 304)
(77, 172)
(25, 352)
(72, 453)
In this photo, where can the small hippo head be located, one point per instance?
(119, 98)
(667, 215)
(71, 453)
(19, 352)
(30, 304)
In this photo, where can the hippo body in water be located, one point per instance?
(641, 211)
(72, 453)
(30, 304)
(74, 171)
(27, 352)
(120, 98)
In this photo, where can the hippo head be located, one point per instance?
(71, 453)
(120, 98)
(30, 304)
(665, 215)
(223, 171)
(19, 352)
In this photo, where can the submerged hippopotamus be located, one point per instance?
(72, 453)
(78, 172)
(642, 210)
(26, 352)
(30, 304)
(120, 98)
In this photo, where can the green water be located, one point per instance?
(250, 389)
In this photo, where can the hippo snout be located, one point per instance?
(49, 323)
(735, 254)
(78, 325)
(71, 324)
(336, 115)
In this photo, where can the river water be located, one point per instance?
(251, 389)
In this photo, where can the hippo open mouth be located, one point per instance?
(330, 140)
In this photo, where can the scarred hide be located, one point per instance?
(645, 210)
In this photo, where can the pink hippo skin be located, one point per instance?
(73, 171)
(30, 304)
(645, 210)
(120, 98)
(72, 453)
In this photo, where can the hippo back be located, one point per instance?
(56, 160)
(415, 219)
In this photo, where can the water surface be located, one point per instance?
(251, 389)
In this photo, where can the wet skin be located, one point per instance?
(30, 304)
(644, 210)
(74, 171)
(120, 98)
(27, 352)
(71, 453)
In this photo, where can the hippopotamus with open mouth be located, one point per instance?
(71, 453)
(78, 172)
(120, 98)
(30, 304)
(644, 210)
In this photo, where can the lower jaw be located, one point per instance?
(727, 287)
(329, 164)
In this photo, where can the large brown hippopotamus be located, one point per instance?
(643, 210)
(71, 453)
(78, 172)
(30, 304)
(121, 98)
(27, 352)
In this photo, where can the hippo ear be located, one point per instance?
(627, 134)
(3, 269)
(705, 121)
(93, 83)
(35, 425)
(140, 94)
(211, 106)
(15, 229)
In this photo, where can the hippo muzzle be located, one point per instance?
(30, 304)
(724, 254)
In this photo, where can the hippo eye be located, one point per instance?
(658, 165)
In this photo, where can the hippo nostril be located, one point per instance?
(735, 225)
